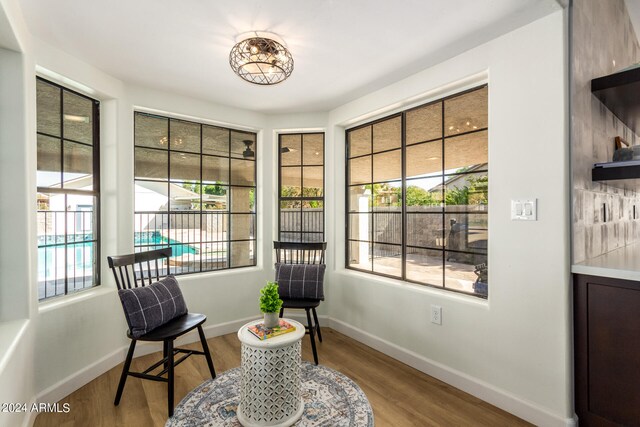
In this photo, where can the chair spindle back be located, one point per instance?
(300, 253)
(126, 275)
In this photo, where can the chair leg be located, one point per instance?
(281, 312)
(311, 334)
(164, 354)
(315, 319)
(125, 372)
(207, 355)
(170, 378)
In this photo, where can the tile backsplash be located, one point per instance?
(603, 42)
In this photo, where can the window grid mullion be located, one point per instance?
(323, 188)
(403, 204)
(194, 219)
(279, 187)
(169, 228)
(371, 203)
(229, 206)
(299, 214)
(442, 212)
(201, 184)
(442, 192)
(301, 183)
(65, 196)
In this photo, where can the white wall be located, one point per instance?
(96, 316)
(16, 369)
(515, 348)
(14, 249)
(504, 345)
(16, 331)
(91, 318)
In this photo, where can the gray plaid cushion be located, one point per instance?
(148, 307)
(300, 281)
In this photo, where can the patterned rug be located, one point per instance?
(330, 399)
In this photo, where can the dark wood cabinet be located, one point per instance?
(607, 351)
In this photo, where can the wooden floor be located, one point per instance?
(399, 394)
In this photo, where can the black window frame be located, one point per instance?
(229, 157)
(302, 198)
(403, 148)
(95, 192)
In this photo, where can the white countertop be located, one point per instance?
(622, 263)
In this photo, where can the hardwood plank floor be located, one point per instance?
(399, 394)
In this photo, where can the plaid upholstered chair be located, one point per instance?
(300, 271)
(155, 311)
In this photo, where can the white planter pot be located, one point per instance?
(271, 320)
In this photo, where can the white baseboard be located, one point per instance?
(218, 329)
(502, 399)
(323, 319)
(73, 382)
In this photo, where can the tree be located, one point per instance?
(473, 194)
(292, 191)
(417, 196)
(211, 189)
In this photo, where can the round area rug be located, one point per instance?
(330, 399)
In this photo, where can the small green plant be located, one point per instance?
(270, 301)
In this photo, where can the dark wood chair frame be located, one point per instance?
(303, 253)
(123, 268)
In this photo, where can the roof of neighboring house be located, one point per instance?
(178, 192)
(76, 183)
(451, 180)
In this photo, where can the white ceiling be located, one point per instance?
(342, 49)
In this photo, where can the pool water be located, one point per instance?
(77, 258)
(154, 238)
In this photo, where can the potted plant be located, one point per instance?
(481, 285)
(270, 304)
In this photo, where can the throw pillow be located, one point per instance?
(300, 281)
(148, 307)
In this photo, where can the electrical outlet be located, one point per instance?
(436, 314)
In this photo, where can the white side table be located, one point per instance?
(270, 391)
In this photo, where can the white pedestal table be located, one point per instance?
(270, 390)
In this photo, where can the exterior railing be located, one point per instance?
(201, 241)
(302, 226)
(67, 252)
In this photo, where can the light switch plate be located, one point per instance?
(524, 209)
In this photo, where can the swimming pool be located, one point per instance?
(154, 238)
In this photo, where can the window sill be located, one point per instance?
(10, 334)
(186, 278)
(65, 300)
(413, 287)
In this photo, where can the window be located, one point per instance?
(301, 183)
(195, 190)
(417, 194)
(68, 181)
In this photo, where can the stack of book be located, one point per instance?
(264, 333)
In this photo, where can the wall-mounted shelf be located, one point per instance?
(624, 175)
(620, 93)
